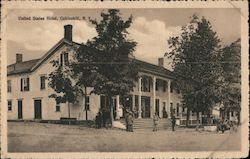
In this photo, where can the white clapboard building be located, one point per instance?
(28, 90)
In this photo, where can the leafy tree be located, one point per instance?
(231, 71)
(116, 68)
(61, 83)
(104, 63)
(195, 54)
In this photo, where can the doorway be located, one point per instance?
(145, 106)
(38, 109)
(20, 109)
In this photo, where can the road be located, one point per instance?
(39, 137)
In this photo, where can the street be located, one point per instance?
(40, 137)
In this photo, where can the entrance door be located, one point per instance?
(20, 109)
(38, 109)
(145, 104)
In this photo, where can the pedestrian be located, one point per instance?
(130, 122)
(126, 119)
(99, 119)
(155, 121)
(104, 118)
(173, 121)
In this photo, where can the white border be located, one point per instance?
(243, 5)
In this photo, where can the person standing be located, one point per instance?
(130, 122)
(173, 120)
(126, 119)
(155, 121)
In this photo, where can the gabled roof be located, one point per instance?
(32, 65)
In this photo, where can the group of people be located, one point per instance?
(101, 119)
(156, 122)
(129, 121)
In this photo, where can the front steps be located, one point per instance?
(147, 123)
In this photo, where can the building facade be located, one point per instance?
(28, 90)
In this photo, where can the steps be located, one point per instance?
(147, 123)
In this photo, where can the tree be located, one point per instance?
(105, 63)
(196, 54)
(232, 74)
(84, 71)
(116, 68)
(61, 83)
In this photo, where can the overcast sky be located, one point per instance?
(150, 29)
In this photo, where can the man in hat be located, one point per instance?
(155, 121)
(130, 122)
(173, 121)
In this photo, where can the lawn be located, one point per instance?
(41, 137)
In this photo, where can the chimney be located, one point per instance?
(19, 58)
(68, 32)
(161, 62)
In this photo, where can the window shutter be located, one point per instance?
(61, 59)
(28, 84)
(21, 84)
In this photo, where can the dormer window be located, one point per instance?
(64, 58)
(25, 84)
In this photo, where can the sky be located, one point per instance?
(151, 28)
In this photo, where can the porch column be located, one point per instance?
(160, 109)
(117, 107)
(154, 94)
(139, 98)
(133, 102)
(169, 99)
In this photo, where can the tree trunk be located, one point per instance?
(111, 111)
(187, 119)
(69, 109)
(69, 112)
(197, 120)
(85, 103)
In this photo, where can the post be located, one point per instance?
(169, 98)
(139, 98)
(117, 107)
(154, 94)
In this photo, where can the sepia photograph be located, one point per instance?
(124, 80)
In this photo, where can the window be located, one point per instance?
(146, 84)
(87, 103)
(25, 84)
(232, 113)
(164, 86)
(9, 105)
(9, 85)
(58, 107)
(42, 82)
(183, 109)
(156, 85)
(177, 109)
(171, 88)
(64, 58)
(178, 91)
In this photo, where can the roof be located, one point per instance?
(154, 69)
(32, 65)
(21, 67)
